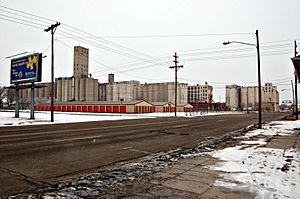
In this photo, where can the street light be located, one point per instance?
(237, 42)
(258, 69)
(296, 63)
(293, 95)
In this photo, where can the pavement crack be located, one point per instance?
(26, 178)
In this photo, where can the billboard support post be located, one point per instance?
(17, 102)
(32, 102)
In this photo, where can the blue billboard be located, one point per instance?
(26, 69)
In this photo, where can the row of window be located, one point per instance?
(193, 89)
(198, 95)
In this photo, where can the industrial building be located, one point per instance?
(233, 97)
(133, 90)
(139, 106)
(164, 92)
(82, 90)
(243, 98)
(200, 93)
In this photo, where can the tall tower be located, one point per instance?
(81, 62)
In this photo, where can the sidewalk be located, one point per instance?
(262, 164)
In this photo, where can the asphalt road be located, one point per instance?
(36, 156)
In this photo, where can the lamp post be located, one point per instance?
(258, 74)
(296, 63)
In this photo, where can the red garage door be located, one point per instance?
(152, 109)
(64, 108)
(123, 109)
(116, 109)
(102, 109)
(74, 108)
(108, 109)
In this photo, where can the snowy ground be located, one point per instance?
(252, 167)
(7, 117)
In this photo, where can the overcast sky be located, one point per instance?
(195, 29)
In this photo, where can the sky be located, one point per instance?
(136, 39)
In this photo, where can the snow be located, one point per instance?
(255, 142)
(43, 117)
(275, 128)
(267, 172)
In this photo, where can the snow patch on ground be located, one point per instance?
(275, 128)
(254, 142)
(7, 117)
(268, 172)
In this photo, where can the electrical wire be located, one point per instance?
(18, 22)
(68, 31)
(26, 13)
(134, 54)
(104, 65)
(111, 43)
(170, 36)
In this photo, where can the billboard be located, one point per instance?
(26, 69)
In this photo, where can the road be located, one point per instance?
(37, 156)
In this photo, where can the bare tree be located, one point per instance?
(2, 92)
(11, 96)
(2, 95)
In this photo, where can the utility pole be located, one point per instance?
(247, 100)
(176, 67)
(53, 29)
(296, 87)
(259, 81)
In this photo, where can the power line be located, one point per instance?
(217, 58)
(32, 20)
(22, 15)
(195, 59)
(98, 62)
(170, 36)
(111, 43)
(23, 20)
(238, 48)
(102, 64)
(30, 14)
(100, 46)
(14, 21)
(152, 60)
(134, 54)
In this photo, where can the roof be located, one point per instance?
(161, 103)
(184, 105)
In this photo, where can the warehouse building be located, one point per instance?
(133, 90)
(199, 93)
(80, 88)
(245, 98)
